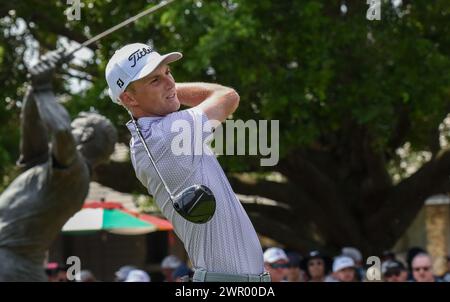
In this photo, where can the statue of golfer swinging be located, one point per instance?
(57, 158)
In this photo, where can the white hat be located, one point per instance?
(84, 276)
(274, 254)
(133, 62)
(353, 253)
(123, 272)
(138, 275)
(342, 262)
(171, 262)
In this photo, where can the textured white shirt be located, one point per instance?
(228, 242)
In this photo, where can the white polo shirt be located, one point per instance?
(228, 242)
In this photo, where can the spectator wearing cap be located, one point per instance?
(316, 266)
(182, 274)
(56, 272)
(51, 270)
(276, 263)
(122, 274)
(344, 269)
(357, 257)
(168, 266)
(85, 276)
(394, 271)
(137, 275)
(295, 273)
(422, 270)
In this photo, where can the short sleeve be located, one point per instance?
(189, 132)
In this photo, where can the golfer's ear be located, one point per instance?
(127, 99)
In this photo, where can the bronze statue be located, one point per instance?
(57, 157)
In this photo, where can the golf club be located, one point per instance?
(68, 54)
(196, 203)
(120, 25)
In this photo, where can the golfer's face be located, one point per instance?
(156, 93)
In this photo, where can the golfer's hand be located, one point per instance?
(41, 73)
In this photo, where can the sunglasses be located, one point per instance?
(279, 265)
(424, 268)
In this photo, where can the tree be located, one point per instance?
(348, 93)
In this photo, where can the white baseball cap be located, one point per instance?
(342, 262)
(133, 62)
(274, 254)
(353, 253)
(171, 262)
(138, 275)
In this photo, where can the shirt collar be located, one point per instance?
(144, 123)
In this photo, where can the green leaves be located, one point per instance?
(301, 62)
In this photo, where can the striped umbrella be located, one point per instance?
(114, 218)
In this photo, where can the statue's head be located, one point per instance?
(95, 136)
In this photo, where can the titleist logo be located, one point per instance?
(138, 54)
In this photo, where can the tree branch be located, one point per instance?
(405, 200)
(40, 18)
(107, 175)
(402, 127)
(50, 26)
(282, 192)
(327, 200)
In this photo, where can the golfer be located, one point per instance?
(226, 248)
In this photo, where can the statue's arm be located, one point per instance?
(57, 121)
(34, 136)
(53, 115)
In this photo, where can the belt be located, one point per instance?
(201, 275)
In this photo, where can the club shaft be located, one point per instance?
(120, 25)
(150, 155)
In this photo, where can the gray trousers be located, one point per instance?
(201, 275)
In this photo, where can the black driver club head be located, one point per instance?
(196, 204)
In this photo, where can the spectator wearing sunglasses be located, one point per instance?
(276, 263)
(422, 269)
(394, 271)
